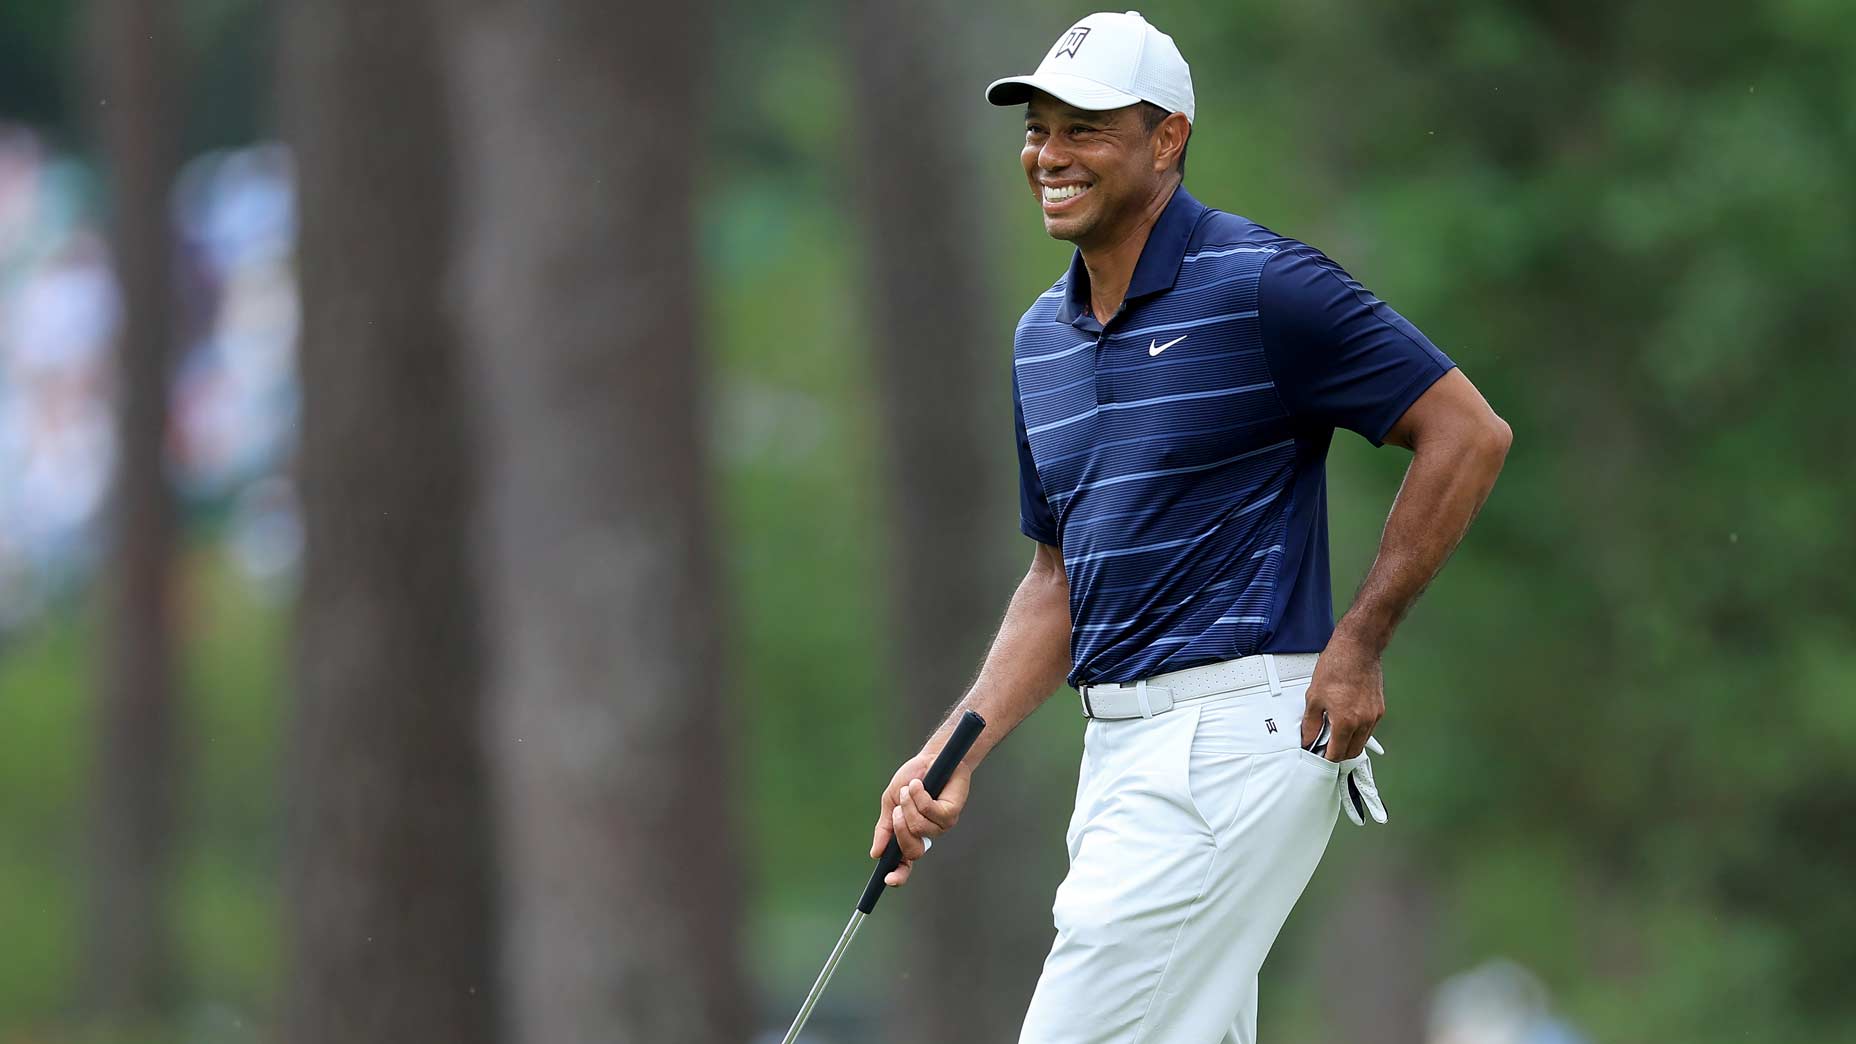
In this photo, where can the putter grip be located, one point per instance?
(958, 744)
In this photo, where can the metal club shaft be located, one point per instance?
(831, 965)
(965, 732)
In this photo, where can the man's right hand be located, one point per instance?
(912, 817)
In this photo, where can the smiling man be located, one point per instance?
(1174, 395)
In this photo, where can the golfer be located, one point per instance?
(1174, 395)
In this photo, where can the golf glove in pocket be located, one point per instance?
(1359, 795)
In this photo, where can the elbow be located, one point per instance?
(1492, 441)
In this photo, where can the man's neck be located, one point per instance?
(1111, 263)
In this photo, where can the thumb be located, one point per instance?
(1311, 724)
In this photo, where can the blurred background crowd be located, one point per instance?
(233, 388)
(457, 580)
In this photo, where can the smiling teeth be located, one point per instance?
(1059, 194)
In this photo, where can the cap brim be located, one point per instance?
(1080, 91)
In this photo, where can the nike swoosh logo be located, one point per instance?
(1151, 350)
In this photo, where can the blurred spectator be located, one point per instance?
(234, 386)
(236, 393)
(58, 311)
(1499, 1002)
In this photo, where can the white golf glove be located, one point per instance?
(1359, 797)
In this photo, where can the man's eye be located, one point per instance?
(1081, 128)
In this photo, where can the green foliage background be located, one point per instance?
(1621, 722)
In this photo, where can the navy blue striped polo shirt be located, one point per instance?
(1177, 456)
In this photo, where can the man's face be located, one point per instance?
(1090, 170)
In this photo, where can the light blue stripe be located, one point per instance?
(1124, 623)
(1181, 639)
(1181, 604)
(1054, 425)
(1089, 379)
(1256, 504)
(1219, 586)
(1136, 404)
(1142, 332)
(1091, 449)
(1228, 253)
(1145, 330)
(1139, 475)
(1163, 545)
(1183, 396)
(1053, 355)
(1241, 277)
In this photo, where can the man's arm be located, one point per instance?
(1458, 445)
(1027, 662)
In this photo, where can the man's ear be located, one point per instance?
(1170, 140)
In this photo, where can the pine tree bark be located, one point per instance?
(943, 365)
(613, 766)
(390, 872)
(127, 958)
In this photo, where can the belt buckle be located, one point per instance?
(1089, 712)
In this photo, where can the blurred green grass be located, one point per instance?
(227, 846)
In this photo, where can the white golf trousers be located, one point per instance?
(1195, 832)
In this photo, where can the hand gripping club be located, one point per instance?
(958, 744)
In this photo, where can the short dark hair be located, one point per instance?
(1152, 115)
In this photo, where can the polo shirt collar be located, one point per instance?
(1158, 267)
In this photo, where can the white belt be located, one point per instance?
(1157, 695)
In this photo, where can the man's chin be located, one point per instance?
(1067, 228)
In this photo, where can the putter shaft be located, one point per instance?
(965, 732)
(831, 965)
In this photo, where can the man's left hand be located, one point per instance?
(1349, 688)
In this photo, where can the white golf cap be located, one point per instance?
(1106, 61)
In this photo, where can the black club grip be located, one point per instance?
(965, 732)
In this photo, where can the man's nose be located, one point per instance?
(1051, 157)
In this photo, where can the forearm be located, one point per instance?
(1028, 660)
(1450, 475)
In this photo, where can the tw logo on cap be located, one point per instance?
(1072, 42)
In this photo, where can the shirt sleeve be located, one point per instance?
(1034, 515)
(1338, 354)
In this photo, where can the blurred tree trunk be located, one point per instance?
(127, 961)
(1387, 916)
(391, 911)
(943, 364)
(612, 762)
